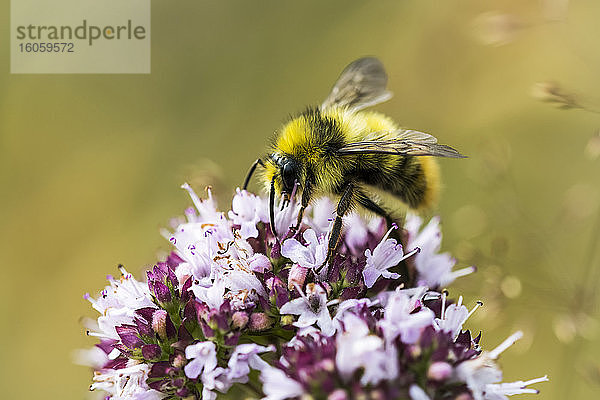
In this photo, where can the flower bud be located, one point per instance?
(377, 394)
(239, 320)
(179, 361)
(287, 320)
(297, 276)
(159, 323)
(439, 371)
(259, 322)
(415, 351)
(327, 365)
(338, 394)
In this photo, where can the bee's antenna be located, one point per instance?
(272, 206)
(251, 172)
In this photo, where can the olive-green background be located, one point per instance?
(90, 165)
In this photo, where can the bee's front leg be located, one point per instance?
(306, 197)
(344, 205)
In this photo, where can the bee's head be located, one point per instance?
(282, 173)
(287, 173)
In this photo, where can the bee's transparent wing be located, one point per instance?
(361, 84)
(401, 142)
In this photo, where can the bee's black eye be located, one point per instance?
(288, 176)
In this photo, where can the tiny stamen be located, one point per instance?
(412, 253)
(477, 305)
(332, 302)
(443, 312)
(223, 251)
(536, 380)
(506, 344)
(299, 289)
(97, 334)
(195, 199)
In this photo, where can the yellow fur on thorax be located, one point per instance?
(296, 140)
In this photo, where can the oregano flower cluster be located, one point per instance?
(234, 309)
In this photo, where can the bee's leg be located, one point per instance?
(306, 197)
(251, 172)
(344, 205)
(372, 206)
(272, 207)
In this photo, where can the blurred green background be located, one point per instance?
(90, 165)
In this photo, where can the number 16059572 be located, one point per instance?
(35, 47)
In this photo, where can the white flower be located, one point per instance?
(197, 241)
(93, 357)
(204, 364)
(356, 238)
(416, 393)
(454, 316)
(221, 262)
(208, 394)
(260, 263)
(357, 235)
(126, 383)
(117, 304)
(210, 292)
(244, 280)
(207, 209)
(244, 357)
(434, 269)
(357, 348)
(401, 320)
(500, 391)
(479, 372)
(196, 244)
(312, 255)
(311, 308)
(352, 303)
(125, 292)
(387, 254)
(204, 359)
(278, 386)
(323, 212)
(215, 379)
(247, 210)
(346, 306)
(286, 218)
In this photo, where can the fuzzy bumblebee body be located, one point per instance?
(314, 138)
(341, 149)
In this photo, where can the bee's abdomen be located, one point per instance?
(415, 180)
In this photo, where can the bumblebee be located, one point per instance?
(341, 149)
